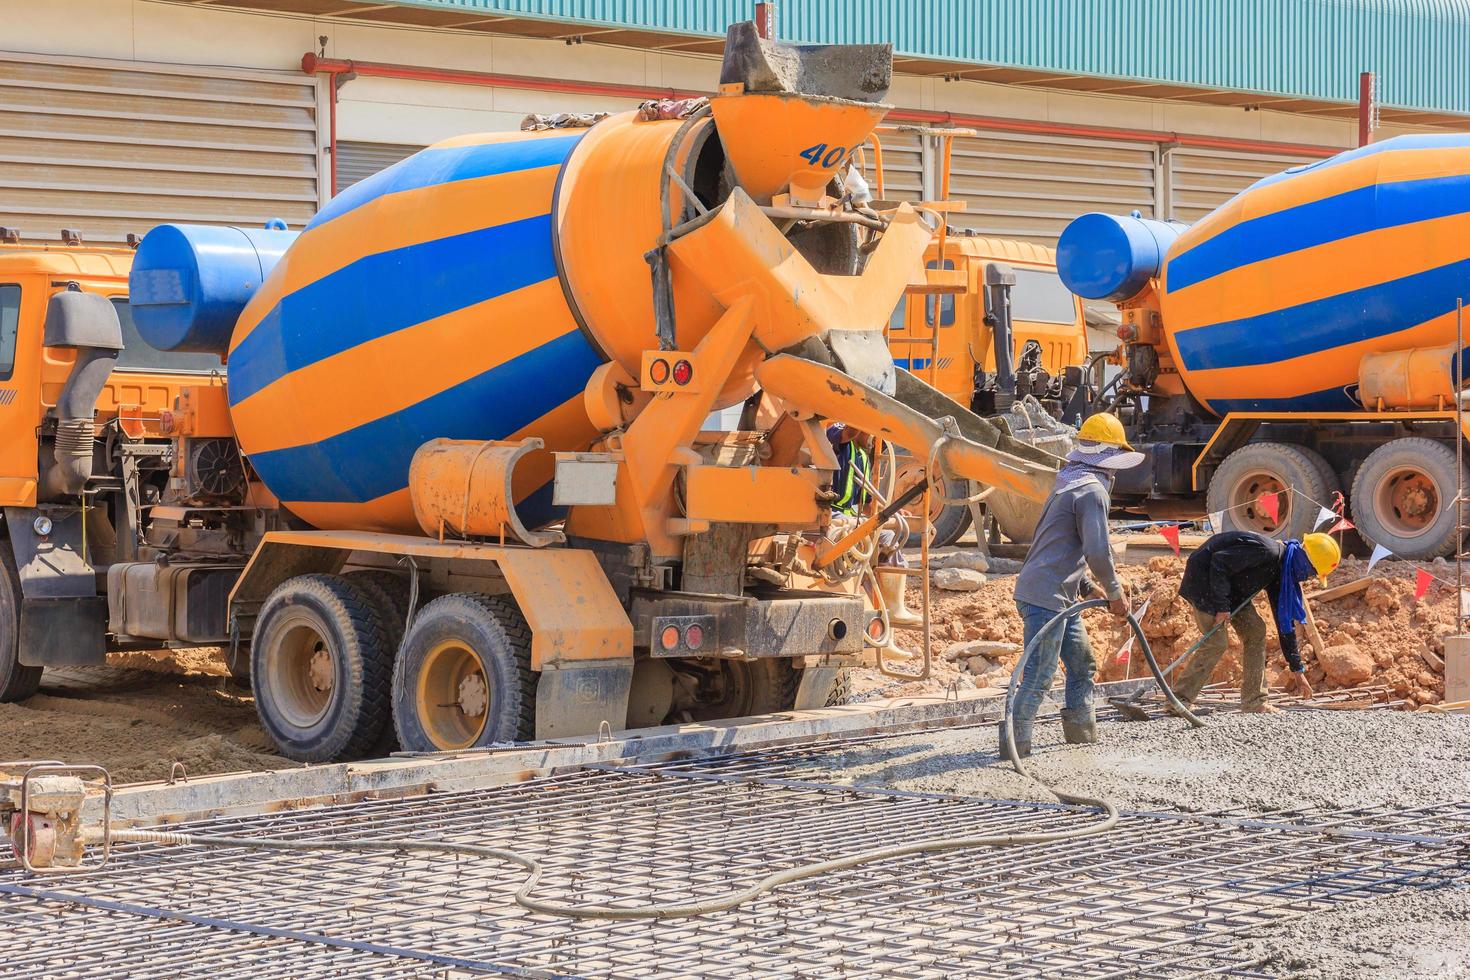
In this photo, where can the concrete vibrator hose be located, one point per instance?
(733, 897)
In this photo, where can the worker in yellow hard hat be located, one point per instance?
(1105, 429)
(1222, 576)
(1071, 539)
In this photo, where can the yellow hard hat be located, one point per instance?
(1324, 553)
(1104, 427)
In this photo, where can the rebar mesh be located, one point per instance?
(1160, 896)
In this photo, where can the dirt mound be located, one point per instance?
(1402, 637)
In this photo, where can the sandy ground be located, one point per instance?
(140, 722)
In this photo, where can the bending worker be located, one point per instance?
(1071, 538)
(1222, 576)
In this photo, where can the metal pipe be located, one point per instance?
(877, 165)
(1367, 108)
(312, 64)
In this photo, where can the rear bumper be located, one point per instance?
(802, 624)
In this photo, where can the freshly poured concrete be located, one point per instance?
(1251, 763)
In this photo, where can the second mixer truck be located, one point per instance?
(1297, 342)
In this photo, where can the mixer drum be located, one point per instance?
(1271, 301)
(421, 303)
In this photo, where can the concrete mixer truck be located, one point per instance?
(456, 490)
(1297, 342)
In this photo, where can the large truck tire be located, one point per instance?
(18, 681)
(1403, 498)
(389, 593)
(1270, 467)
(464, 677)
(951, 521)
(321, 667)
(750, 687)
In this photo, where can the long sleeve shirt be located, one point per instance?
(1230, 568)
(1071, 538)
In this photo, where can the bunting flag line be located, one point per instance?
(1126, 650)
(1270, 505)
(1422, 581)
(1217, 521)
(1171, 535)
(1342, 525)
(1379, 553)
(1323, 516)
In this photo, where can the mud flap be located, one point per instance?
(63, 621)
(816, 686)
(575, 699)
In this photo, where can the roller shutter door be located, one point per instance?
(1029, 187)
(109, 148)
(358, 160)
(1200, 181)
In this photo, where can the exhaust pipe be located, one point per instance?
(88, 324)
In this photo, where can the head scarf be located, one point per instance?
(1296, 568)
(1095, 461)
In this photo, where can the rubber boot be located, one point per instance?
(895, 652)
(1079, 726)
(1023, 741)
(894, 586)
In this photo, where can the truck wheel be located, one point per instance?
(1269, 467)
(464, 676)
(321, 667)
(389, 594)
(949, 521)
(17, 681)
(1403, 498)
(841, 689)
(747, 687)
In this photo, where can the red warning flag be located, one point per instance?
(1171, 535)
(1422, 581)
(1342, 525)
(1270, 505)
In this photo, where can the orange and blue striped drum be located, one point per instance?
(1271, 301)
(423, 302)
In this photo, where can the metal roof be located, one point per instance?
(1291, 55)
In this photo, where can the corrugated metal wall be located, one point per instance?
(1309, 48)
(109, 148)
(1198, 181)
(358, 160)
(1029, 187)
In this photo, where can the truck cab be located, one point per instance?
(53, 607)
(949, 341)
